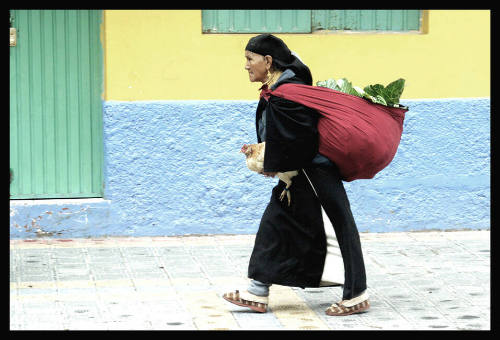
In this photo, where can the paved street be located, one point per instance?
(416, 281)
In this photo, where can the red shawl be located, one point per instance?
(360, 137)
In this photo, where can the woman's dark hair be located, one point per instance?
(268, 44)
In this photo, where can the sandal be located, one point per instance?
(246, 299)
(347, 307)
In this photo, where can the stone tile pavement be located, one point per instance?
(433, 280)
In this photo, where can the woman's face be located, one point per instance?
(257, 66)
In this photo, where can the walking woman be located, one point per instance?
(292, 245)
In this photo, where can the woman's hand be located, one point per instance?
(269, 174)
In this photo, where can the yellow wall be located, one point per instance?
(162, 55)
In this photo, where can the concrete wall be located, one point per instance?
(173, 168)
(163, 55)
(178, 106)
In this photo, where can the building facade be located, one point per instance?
(129, 123)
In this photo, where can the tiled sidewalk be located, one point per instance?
(417, 281)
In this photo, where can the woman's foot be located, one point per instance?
(246, 299)
(347, 307)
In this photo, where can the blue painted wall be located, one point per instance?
(174, 168)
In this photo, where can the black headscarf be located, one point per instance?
(268, 44)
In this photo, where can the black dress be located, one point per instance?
(290, 245)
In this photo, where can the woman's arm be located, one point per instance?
(292, 135)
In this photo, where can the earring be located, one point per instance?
(270, 78)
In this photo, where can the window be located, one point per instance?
(309, 21)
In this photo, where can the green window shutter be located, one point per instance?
(256, 21)
(56, 77)
(367, 20)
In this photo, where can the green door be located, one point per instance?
(56, 82)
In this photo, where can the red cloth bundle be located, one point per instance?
(360, 137)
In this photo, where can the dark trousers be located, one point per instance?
(328, 185)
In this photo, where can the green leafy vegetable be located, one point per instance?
(377, 93)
